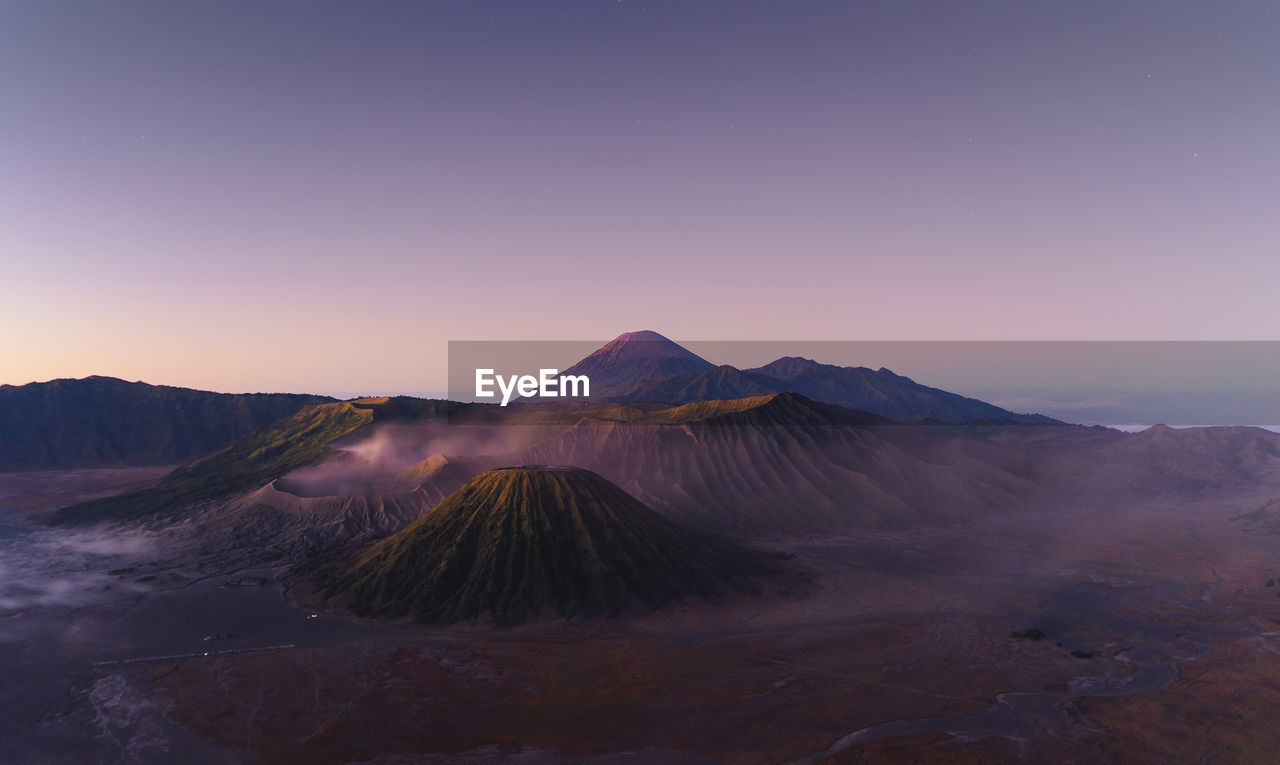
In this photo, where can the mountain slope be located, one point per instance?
(249, 463)
(517, 543)
(781, 463)
(103, 421)
(883, 392)
(1263, 520)
(1192, 459)
(784, 463)
(647, 367)
(635, 356)
(721, 383)
(299, 525)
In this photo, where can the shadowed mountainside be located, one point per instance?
(636, 356)
(647, 367)
(258, 459)
(880, 391)
(786, 463)
(1264, 520)
(515, 544)
(780, 463)
(103, 421)
(1192, 459)
(883, 392)
(249, 463)
(721, 383)
(299, 525)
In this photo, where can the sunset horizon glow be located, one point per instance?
(299, 197)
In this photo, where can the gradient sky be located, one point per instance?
(318, 196)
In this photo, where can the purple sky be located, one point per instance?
(318, 196)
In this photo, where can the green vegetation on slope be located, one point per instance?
(253, 461)
(517, 543)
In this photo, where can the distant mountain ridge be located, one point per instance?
(883, 392)
(780, 463)
(645, 366)
(104, 421)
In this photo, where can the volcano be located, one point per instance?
(645, 367)
(520, 543)
(636, 356)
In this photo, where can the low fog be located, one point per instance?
(67, 568)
